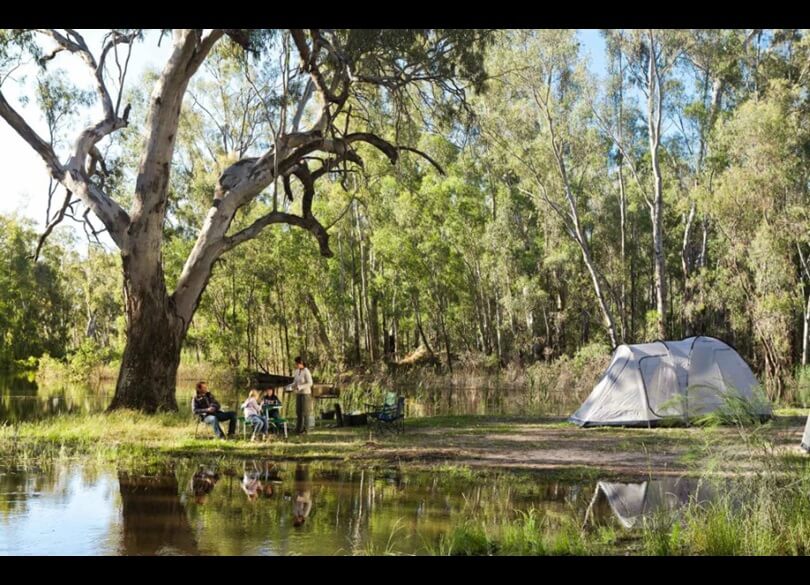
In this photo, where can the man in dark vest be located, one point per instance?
(210, 411)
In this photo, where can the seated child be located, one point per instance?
(253, 413)
(272, 403)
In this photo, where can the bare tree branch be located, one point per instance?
(56, 221)
(425, 156)
(308, 223)
(42, 148)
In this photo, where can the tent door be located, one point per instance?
(660, 381)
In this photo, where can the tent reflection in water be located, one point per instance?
(649, 382)
(632, 503)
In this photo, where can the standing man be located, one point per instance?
(303, 395)
(209, 409)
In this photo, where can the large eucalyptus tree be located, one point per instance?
(326, 79)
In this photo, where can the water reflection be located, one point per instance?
(634, 503)
(58, 510)
(260, 507)
(154, 519)
(302, 500)
(22, 399)
(258, 478)
(202, 483)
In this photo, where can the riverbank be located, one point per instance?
(535, 443)
(484, 464)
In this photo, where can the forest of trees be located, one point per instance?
(545, 208)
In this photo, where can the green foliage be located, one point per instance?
(34, 311)
(481, 263)
(87, 358)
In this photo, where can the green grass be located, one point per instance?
(531, 533)
(428, 441)
(133, 434)
(760, 517)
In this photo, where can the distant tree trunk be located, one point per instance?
(806, 333)
(622, 197)
(285, 329)
(623, 272)
(631, 333)
(374, 322)
(356, 311)
(482, 305)
(571, 220)
(657, 207)
(394, 334)
(686, 264)
(806, 326)
(559, 324)
(419, 323)
(344, 327)
(365, 309)
(322, 333)
(446, 338)
(497, 311)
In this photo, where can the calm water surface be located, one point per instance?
(266, 508)
(21, 399)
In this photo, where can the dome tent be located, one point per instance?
(650, 382)
(806, 436)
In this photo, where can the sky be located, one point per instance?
(24, 176)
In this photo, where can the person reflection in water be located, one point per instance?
(251, 484)
(302, 501)
(268, 477)
(202, 484)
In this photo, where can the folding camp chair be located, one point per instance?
(278, 424)
(245, 423)
(388, 416)
(199, 417)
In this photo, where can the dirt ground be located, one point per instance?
(551, 443)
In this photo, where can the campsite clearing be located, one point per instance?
(488, 441)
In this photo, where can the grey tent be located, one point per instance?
(631, 503)
(649, 382)
(806, 436)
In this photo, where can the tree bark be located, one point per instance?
(148, 374)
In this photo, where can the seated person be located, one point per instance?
(210, 411)
(252, 412)
(272, 405)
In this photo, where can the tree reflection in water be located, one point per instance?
(155, 520)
